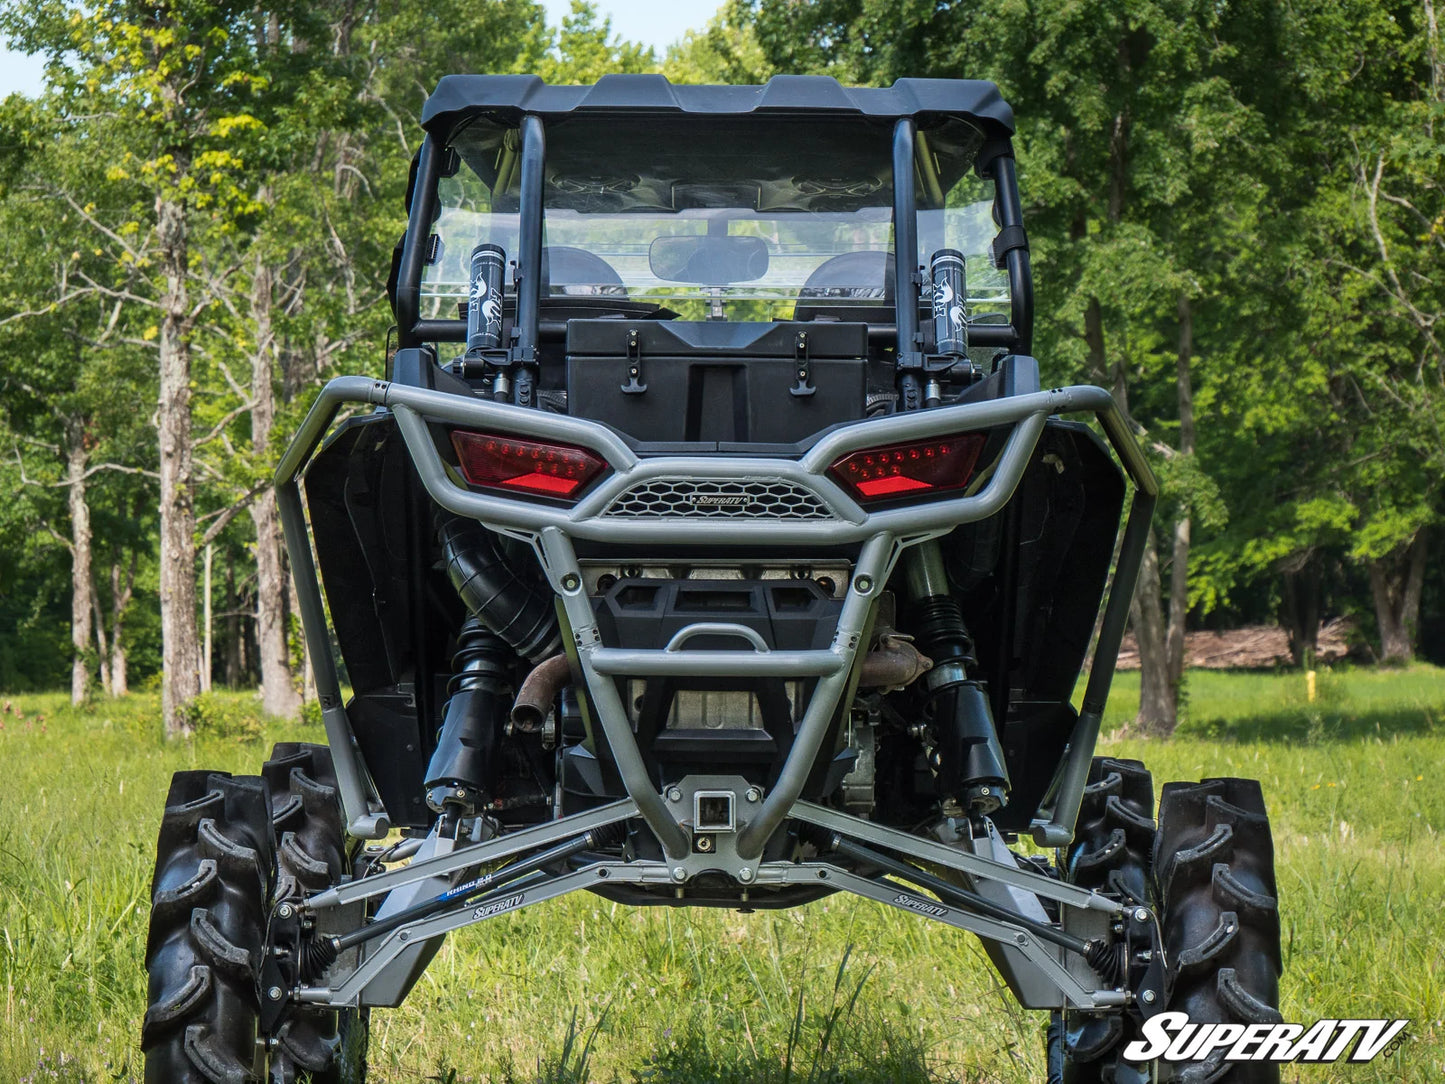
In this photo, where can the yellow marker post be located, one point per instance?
(1310, 686)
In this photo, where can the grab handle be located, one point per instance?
(718, 628)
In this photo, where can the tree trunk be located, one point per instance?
(1158, 705)
(1396, 581)
(251, 675)
(278, 690)
(1300, 609)
(1161, 639)
(1179, 559)
(100, 639)
(206, 624)
(81, 584)
(120, 595)
(179, 649)
(232, 666)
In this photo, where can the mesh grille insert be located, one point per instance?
(694, 498)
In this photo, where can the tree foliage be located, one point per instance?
(1235, 209)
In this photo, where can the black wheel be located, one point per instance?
(1214, 877)
(213, 879)
(312, 854)
(1111, 853)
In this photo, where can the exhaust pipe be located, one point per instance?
(893, 664)
(539, 692)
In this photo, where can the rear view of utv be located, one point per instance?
(710, 541)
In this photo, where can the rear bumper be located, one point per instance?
(880, 536)
(589, 520)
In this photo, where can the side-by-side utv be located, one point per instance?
(708, 541)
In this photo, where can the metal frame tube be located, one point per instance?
(1058, 829)
(587, 520)
(613, 661)
(560, 562)
(905, 261)
(869, 576)
(455, 331)
(472, 855)
(515, 897)
(974, 865)
(954, 894)
(529, 258)
(413, 250)
(352, 779)
(1043, 957)
(1116, 611)
(1020, 271)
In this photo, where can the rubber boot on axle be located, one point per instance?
(970, 762)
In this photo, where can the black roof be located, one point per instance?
(507, 97)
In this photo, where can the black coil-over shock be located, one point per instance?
(967, 757)
(463, 770)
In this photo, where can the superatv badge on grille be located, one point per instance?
(717, 500)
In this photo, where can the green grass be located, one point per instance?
(581, 989)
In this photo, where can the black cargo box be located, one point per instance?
(716, 381)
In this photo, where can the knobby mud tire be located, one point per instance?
(1214, 878)
(315, 1044)
(1111, 853)
(209, 896)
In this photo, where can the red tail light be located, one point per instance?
(906, 470)
(525, 466)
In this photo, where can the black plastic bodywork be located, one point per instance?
(508, 98)
(1060, 529)
(394, 613)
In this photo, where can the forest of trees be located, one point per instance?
(1236, 213)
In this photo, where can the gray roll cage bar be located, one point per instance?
(1040, 973)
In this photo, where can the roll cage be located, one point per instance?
(528, 106)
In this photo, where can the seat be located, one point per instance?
(575, 272)
(859, 286)
(577, 284)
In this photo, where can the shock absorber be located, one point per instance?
(463, 770)
(970, 763)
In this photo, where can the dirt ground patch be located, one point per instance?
(1251, 647)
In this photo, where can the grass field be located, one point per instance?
(581, 989)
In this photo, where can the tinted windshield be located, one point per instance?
(744, 217)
